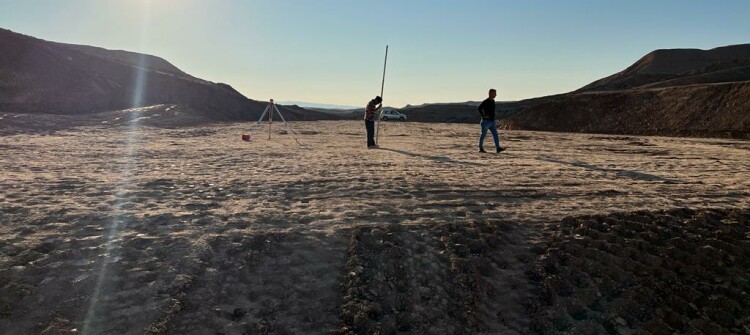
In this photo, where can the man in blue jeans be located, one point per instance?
(487, 111)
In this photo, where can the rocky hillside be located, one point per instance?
(680, 92)
(679, 67)
(711, 110)
(41, 77)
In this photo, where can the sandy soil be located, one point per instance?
(131, 229)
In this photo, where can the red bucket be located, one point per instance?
(246, 137)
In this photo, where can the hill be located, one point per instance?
(41, 77)
(679, 67)
(678, 92)
(711, 110)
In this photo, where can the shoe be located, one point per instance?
(482, 150)
(500, 149)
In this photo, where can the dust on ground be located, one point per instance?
(135, 229)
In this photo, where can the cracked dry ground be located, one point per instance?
(190, 231)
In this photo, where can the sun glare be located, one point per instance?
(132, 133)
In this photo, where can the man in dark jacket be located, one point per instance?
(370, 115)
(487, 111)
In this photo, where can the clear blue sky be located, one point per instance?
(331, 51)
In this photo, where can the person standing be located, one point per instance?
(370, 114)
(487, 112)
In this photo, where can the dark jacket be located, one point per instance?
(370, 110)
(487, 109)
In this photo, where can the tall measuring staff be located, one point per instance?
(382, 85)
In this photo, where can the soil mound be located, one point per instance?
(718, 110)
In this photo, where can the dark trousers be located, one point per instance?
(370, 126)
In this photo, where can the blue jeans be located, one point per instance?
(489, 124)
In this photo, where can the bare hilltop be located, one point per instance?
(42, 77)
(675, 92)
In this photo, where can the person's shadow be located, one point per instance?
(439, 159)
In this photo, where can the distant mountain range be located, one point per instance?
(41, 77)
(317, 105)
(675, 92)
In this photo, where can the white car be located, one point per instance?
(392, 115)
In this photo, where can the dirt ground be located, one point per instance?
(130, 229)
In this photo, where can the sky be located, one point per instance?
(332, 51)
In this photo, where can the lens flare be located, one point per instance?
(96, 311)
